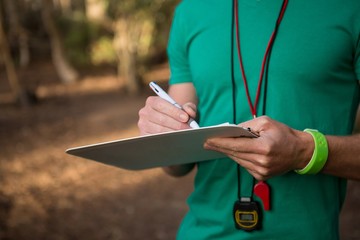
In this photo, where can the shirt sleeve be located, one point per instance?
(177, 50)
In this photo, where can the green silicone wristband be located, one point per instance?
(320, 155)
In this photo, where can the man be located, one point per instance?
(293, 65)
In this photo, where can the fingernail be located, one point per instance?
(207, 146)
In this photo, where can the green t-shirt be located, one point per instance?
(312, 83)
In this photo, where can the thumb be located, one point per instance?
(190, 108)
(258, 124)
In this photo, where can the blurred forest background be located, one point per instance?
(129, 36)
(72, 72)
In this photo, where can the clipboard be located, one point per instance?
(159, 150)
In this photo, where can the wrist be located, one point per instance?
(307, 149)
(319, 155)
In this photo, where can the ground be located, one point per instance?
(47, 194)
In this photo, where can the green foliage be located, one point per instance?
(88, 43)
(160, 11)
(78, 36)
(128, 7)
(155, 13)
(102, 51)
(162, 21)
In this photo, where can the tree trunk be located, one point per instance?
(127, 34)
(63, 5)
(127, 67)
(17, 89)
(18, 31)
(64, 70)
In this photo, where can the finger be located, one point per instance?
(154, 128)
(190, 109)
(154, 121)
(160, 112)
(255, 163)
(236, 148)
(258, 124)
(162, 106)
(255, 174)
(256, 171)
(250, 157)
(241, 144)
(167, 121)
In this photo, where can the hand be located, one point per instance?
(277, 150)
(160, 116)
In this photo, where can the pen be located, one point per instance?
(161, 93)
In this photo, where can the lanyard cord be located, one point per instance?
(234, 92)
(232, 65)
(281, 15)
(264, 70)
(265, 62)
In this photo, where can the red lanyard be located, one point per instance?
(261, 189)
(253, 107)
